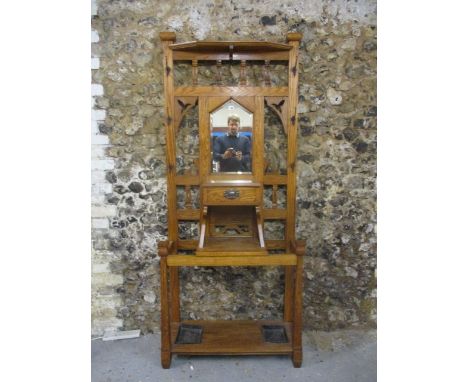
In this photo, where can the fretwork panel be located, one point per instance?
(230, 73)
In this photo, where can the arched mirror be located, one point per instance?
(231, 127)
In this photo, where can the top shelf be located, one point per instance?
(230, 51)
(207, 50)
(230, 46)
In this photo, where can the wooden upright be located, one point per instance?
(230, 199)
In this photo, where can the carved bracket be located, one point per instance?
(280, 106)
(231, 230)
(182, 106)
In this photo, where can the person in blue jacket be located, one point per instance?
(232, 150)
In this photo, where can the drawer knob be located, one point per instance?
(231, 194)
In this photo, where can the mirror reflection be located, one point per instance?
(231, 138)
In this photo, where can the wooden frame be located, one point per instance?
(244, 191)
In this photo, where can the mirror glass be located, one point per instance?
(231, 127)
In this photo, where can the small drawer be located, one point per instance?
(221, 196)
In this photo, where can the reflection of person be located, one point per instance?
(232, 150)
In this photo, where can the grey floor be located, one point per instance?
(348, 356)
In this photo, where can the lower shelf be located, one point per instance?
(222, 246)
(232, 337)
(225, 261)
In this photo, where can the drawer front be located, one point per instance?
(231, 196)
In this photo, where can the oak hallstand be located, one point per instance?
(237, 196)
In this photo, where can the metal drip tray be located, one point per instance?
(189, 334)
(275, 334)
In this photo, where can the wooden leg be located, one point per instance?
(165, 324)
(175, 302)
(288, 293)
(297, 358)
(166, 359)
(297, 324)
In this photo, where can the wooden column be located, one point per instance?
(168, 38)
(165, 323)
(266, 73)
(194, 72)
(205, 138)
(293, 40)
(243, 79)
(288, 293)
(299, 249)
(219, 79)
(174, 289)
(258, 143)
(274, 196)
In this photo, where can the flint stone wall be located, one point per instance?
(336, 195)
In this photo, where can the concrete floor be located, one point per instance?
(347, 356)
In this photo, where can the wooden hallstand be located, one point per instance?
(231, 200)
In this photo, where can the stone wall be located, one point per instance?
(105, 301)
(336, 167)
